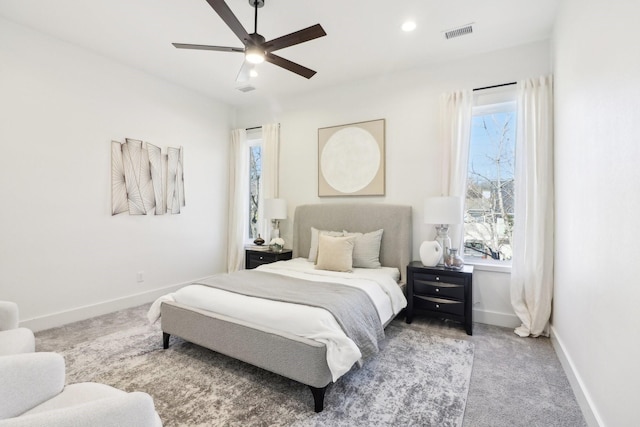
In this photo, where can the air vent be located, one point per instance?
(248, 88)
(457, 32)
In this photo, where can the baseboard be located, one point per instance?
(85, 312)
(579, 390)
(506, 320)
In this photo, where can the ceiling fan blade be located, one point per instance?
(288, 65)
(243, 74)
(207, 47)
(309, 33)
(230, 19)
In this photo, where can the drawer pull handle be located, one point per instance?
(438, 278)
(437, 305)
(437, 289)
(261, 258)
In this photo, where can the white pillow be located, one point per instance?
(335, 253)
(366, 251)
(313, 249)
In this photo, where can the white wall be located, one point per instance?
(597, 290)
(409, 102)
(62, 255)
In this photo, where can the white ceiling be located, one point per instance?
(363, 39)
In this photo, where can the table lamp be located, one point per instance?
(275, 210)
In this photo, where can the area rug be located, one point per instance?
(416, 380)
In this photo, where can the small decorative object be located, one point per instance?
(430, 253)
(453, 260)
(259, 241)
(277, 244)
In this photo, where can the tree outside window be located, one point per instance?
(255, 173)
(489, 219)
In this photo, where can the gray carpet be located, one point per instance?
(417, 378)
(516, 382)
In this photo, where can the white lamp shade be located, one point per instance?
(275, 208)
(443, 210)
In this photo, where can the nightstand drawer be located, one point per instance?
(439, 305)
(255, 258)
(439, 278)
(444, 290)
(261, 258)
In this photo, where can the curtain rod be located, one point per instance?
(494, 86)
(259, 127)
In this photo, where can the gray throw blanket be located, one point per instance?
(352, 307)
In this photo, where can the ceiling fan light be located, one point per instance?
(254, 55)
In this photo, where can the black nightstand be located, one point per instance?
(254, 258)
(440, 292)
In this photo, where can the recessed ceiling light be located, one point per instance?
(408, 26)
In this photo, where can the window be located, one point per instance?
(489, 219)
(255, 186)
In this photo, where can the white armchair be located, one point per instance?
(13, 340)
(32, 393)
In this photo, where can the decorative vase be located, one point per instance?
(453, 260)
(430, 253)
(277, 248)
(259, 241)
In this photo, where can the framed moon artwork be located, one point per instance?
(351, 159)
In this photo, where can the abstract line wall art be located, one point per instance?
(145, 181)
(134, 169)
(155, 166)
(175, 180)
(119, 202)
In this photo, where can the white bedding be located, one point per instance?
(310, 322)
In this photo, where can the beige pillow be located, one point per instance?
(335, 253)
(313, 248)
(366, 250)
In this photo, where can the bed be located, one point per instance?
(285, 352)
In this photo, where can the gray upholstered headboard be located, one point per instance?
(396, 247)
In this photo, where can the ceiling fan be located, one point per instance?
(256, 48)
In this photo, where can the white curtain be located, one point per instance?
(238, 199)
(270, 169)
(532, 263)
(455, 133)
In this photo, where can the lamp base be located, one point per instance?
(275, 229)
(444, 240)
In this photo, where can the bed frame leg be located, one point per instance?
(318, 397)
(165, 340)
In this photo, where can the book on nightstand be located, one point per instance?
(257, 247)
